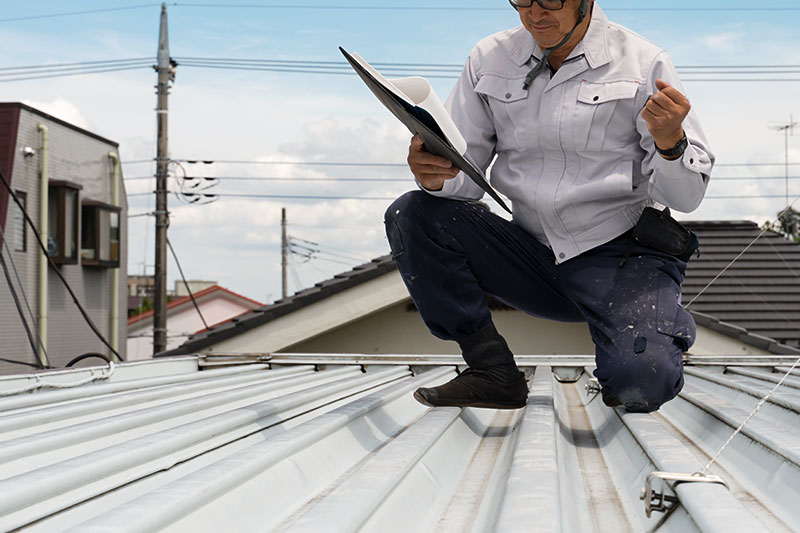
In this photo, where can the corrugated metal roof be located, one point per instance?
(294, 446)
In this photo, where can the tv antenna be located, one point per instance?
(787, 129)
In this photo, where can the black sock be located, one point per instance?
(487, 350)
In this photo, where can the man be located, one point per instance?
(587, 125)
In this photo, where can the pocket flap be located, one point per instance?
(503, 89)
(597, 93)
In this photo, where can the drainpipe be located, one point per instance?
(44, 207)
(115, 275)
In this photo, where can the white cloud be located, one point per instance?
(63, 109)
(727, 41)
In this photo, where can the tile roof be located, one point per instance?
(759, 293)
(341, 447)
(756, 301)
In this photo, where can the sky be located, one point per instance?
(265, 125)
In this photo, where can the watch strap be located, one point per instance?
(676, 150)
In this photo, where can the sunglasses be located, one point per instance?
(552, 5)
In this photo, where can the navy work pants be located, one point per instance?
(451, 253)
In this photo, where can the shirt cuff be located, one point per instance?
(690, 161)
(681, 183)
(449, 187)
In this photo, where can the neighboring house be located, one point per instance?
(751, 309)
(76, 174)
(216, 304)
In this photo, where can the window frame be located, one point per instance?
(58, 189)
(22, 196)
(97, 207)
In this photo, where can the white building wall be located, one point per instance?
(77, 157)
(181, 323)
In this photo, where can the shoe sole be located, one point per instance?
(484, 405)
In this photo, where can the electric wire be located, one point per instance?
(345, 7)
(85, 12)
(18, 305)
(376, 164)
(57, 271)
(385, 198)
(186, 284)
(46, 362)
(719, 73)
(301, 179)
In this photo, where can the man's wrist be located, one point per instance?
(672, 150)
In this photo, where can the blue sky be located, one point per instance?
(278, 117)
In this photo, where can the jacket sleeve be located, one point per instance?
(472, 117)
(679, 184)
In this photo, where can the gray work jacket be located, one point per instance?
(572, 152)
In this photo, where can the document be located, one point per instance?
(413, 101)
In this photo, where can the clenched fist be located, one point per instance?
(664, 113)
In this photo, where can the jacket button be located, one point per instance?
(691, 161)
(508, 95)
(596, 98)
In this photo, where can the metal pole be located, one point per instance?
(162, 161)
(284, 253)
(786, 159)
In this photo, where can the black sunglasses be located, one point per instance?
(552, 5)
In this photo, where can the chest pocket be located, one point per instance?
(508, 102)
(604, 115)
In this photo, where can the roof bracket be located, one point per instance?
(592, 389)
(657, 500)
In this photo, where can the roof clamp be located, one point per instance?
(657, 500)
(592, 389)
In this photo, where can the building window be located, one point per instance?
(62, 235)
(20, 230)
(99, 234)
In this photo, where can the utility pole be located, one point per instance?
(284, 253)
(165, 75)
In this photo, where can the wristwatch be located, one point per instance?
(675, 151)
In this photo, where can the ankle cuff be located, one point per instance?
(485, 348)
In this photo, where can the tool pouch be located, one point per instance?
(656, 229)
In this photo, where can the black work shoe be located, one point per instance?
(474, 388)
(609, 399)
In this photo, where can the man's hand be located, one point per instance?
(664, 113)
(430, 170)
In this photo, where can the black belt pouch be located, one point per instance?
(658, 230)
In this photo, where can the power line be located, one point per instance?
(300, 179)
(76, 13)
(322, 197)
(460, 8)
(186, 283)
(299, 163)
(63, 74)
(277, 178)
(367, 164)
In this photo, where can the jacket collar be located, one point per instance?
(593, 46)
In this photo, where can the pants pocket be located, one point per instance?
(672, 319)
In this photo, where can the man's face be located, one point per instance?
(548, 27)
